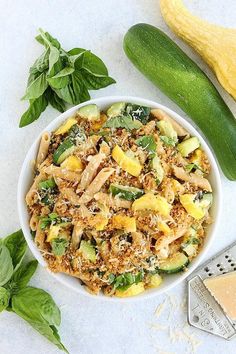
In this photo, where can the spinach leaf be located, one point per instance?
(6, 266)
(22, 276)
(59, 246)
(36, 88)
(4, 298)
(36, 107)
(37, 307)
(123, 122)
(167, 140)
(17, 246)
(148, 143)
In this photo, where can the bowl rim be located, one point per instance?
(106, 101)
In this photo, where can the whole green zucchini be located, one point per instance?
(170, 69)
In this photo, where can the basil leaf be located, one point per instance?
(36, 107)
(66, 94)
(36, 88)
(138, 112)
(193, 166)
(46, 39)
(96, 82)
(17, 247)
(123, 122)
(55, 101)
(42, 63)
(4, 298)
(125, 280)
(76, 57)
(59, 246)
(6, 266)
(54, 57)
(148, 143)
(94, 65)
(23, 275)
(61, 79)
(167, 140)
(37, 307)
(79, 86)
(33, 75)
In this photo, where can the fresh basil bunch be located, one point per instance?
(58, 78)
(34, 305)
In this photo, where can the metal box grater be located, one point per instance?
(203, 310)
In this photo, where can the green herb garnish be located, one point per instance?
(148, 143)
(167, 140)
(125, 280)
(47, 184)
(34, 305)
(58, 78)
(193, 166)
(59, 246)
(126, 122)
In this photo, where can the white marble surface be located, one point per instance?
(91, 326)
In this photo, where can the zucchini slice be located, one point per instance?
(66, 148)
(126, 192)
(90, 112)
(174, 264)
(117, 109)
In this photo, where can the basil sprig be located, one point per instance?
(59, 78)
(34, 305)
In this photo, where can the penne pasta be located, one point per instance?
(90, 171)
(161, 115)
(43, 148)
(63, 173)
(33, 189)
(112, 202)
(34, 222)
(96, 185)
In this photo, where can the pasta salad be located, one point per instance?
(120, 198)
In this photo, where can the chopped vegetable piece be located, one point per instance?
(128, 164)
(64, 128)
(90, 112)
(88, 251)
(174, 264)
(125, 192)
(47, 184)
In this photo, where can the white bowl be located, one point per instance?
(26, 178)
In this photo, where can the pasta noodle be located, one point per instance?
(62, 173)
(34, 222)
(96, 185)
(161, 115)
(90, 171)
(108, 200)
(33, 189)
(43, 148)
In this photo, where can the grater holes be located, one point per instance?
(226, 256)
(207, 269)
